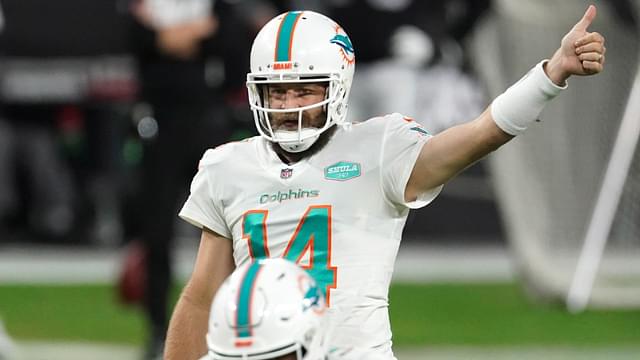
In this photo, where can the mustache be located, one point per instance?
(284, 120)
(288, 117)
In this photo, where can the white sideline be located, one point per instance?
(39, 264)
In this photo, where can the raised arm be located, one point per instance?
(448, 153)
(188, 325)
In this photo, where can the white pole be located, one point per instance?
(607, 203)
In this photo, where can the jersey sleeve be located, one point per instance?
(402, 142)
(203, 207)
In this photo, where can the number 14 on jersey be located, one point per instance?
(312, 235)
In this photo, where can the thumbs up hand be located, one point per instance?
(581, 52)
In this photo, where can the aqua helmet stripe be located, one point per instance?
(285, 36)
(243, 312)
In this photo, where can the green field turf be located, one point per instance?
(433, 314)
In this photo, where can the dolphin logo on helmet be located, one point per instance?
(344, 42)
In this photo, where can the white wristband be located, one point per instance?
(521, 104)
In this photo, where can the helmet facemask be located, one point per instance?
(299, 139)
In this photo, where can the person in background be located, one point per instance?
(186, 58)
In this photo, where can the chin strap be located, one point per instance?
(289, 140)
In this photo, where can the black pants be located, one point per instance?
(170, 161)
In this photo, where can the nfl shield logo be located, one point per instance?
(286, 173)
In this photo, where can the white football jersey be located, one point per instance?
(339, 213)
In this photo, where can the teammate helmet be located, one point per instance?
(300, 47)
(263, 310)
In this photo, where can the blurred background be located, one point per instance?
(107, 105)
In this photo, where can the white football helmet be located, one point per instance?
(265, 309)
(299, 47)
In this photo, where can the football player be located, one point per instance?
(334, 196)
(267, 309)
(272, 309)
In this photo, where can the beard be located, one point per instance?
(311, 121)
(291, 158)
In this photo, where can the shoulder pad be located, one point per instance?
(221, 153)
